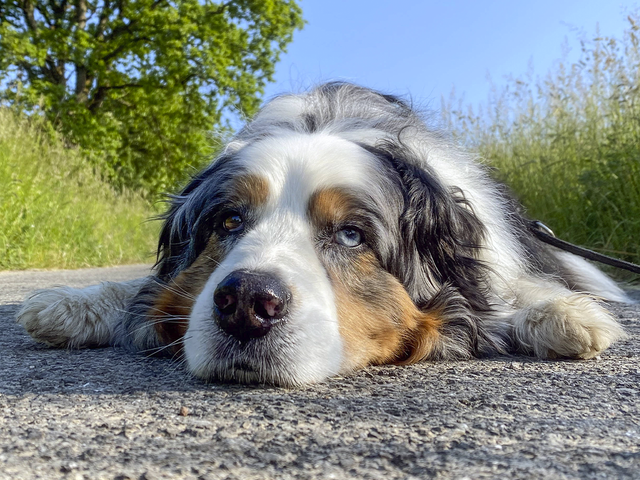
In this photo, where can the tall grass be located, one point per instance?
(568, 144)
(55, 212)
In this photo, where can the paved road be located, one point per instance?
(106, 414)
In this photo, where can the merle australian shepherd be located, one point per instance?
(335, 231)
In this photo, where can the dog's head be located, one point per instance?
(321, 240)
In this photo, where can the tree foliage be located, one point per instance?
(139, 83)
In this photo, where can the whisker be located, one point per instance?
(156, 350)
(176, 365)
(156, 310)
(216, 262)
(180, 289)
(178, 356)
(179, 292)
(150, 323)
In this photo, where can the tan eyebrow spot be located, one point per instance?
(250, 189)
(330, 205)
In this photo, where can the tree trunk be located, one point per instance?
(81, 69)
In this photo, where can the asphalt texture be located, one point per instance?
(104, 413)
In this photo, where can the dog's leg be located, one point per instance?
(76, 318)
(551, 321)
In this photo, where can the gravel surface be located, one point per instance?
(107, 414)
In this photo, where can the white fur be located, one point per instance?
(297, 165)
(77, 317)
(552, 321)
(592, 279)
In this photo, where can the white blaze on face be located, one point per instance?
(307, 347)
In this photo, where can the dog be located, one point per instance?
(336, 230)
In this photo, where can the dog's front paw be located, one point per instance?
(574, 326)
(64, 317)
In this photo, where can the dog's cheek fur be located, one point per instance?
(378, 321)
(158, 318)
(171, 309)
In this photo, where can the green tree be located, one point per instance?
(140, 83)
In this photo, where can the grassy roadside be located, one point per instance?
(56, 213)
(568, 144)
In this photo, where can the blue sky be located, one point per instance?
(426, 48)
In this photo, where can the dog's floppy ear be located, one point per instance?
(188, 221)
(445, 234)
(439, 233)
(441, 237)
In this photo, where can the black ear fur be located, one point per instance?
(446, 234)
(440, 240)
(188, 221)
(438, 226)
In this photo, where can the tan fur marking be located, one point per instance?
(379, 322)
(171, 311)
(330, 205)
(250, 189)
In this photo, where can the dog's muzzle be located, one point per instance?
(247, 304)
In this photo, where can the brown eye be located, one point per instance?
(233, 223)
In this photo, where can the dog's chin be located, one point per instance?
(283, 357)
(223, 370)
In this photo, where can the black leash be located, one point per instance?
(545, 234)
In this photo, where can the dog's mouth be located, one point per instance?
(257, 359)
(251, 369)
(244, 367)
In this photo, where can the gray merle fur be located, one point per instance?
(438, 234)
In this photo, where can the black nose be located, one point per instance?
(248, 304)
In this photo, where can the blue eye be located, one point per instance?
(348, 237)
